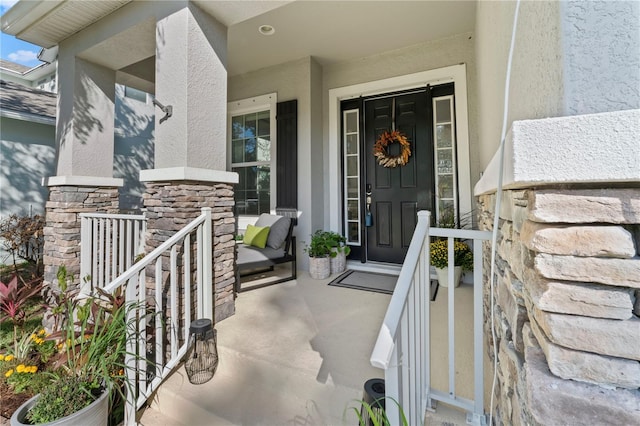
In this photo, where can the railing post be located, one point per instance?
(85, 254)
(207, 266)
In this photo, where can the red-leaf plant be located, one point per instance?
(13, 298)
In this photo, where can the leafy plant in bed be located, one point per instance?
(87, 374)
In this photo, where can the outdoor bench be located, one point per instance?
(280, 248)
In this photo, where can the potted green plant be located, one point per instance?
(319, 252)
(462, 259)
(88, 379)
(339, 250)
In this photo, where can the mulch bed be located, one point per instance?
(10, 401)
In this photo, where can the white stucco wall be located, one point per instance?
(27, 153)
(570, 57)
(133, 146)
(601, 55)
(293, 80)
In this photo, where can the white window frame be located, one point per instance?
(248, 106)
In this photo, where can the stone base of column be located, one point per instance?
(62, 227)
(172, 205)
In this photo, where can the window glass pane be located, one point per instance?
(443, 110)
(445, 186)
(264, 149)
(250, 126)
(352, 122)
(352, 187)
(237, 153)
(445, 162)
(264, 179)
(242, 180)
(252, 174)
(352, 166)
(443, 135)
(352, 144)
(264, 202)
(264, 124)
(237, 131)
(352, 210)
(250, 152)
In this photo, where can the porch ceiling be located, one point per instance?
(330, 31)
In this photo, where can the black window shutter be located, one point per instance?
(287, 157)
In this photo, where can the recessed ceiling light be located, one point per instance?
(266, 30)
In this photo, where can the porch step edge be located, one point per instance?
(277, 394)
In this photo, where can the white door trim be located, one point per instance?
(454, 73)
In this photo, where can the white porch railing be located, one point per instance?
(109, 244)
(168, 332)
(403, 346)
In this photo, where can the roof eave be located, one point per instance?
(24, 14)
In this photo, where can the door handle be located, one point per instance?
(368, 217)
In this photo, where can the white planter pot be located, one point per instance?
(338, 263)
(319, 267)
(94, 414)
(443, 276)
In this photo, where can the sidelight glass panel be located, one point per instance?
(351, 167)
(353, 235)
(443, 110)
(352, 121)
(445, 157)
(443, 135)
(352, 210)
(445, 162)
(352, 144)
(352, 188)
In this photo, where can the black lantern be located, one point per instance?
(203, 359)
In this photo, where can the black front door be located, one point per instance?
(397, 193)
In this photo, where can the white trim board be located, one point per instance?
(455, 73)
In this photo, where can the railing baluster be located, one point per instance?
(107, 251)
(158, 314)
(130, 359)
(451, 319)
(186, 247)
(121, 252)
(95, 255)
(173, 279)
(85, 253)
(114, 247)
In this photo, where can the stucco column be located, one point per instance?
(191, 55)
(84, 171)
(85, 122)
(190, 145)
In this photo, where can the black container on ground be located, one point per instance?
(373, 398)
(202, 358)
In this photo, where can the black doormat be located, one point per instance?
(369, 281)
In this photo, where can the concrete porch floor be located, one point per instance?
(297, 353)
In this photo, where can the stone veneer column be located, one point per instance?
(62, 226)
(173, 204)
(567, 328)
